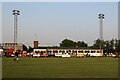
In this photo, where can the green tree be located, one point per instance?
(67, 43)
(107, 47)
(96, 43)
(30, 49)
(25, 48)
(70, 43)
(112, 46)
(81, 44)
(117, 46)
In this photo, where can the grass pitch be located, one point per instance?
(60, 68)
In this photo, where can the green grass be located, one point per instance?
(60, 68)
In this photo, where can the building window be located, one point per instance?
(86, 51)
(80, 51)
(92, 51)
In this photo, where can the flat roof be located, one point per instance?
(65, 48)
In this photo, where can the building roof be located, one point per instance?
(49, 47)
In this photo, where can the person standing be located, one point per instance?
(16, 55)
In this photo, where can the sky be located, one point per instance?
(52, 22)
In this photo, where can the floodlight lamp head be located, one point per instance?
(101, 15)
(13, 10)
(16, 12)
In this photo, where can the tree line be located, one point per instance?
(108, 46)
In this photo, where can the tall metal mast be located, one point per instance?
(101, 17)
(15, 13)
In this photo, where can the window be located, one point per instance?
(92, 51)
(49, 51)
(67, 51)
(86, 51)
(80, 51)
(98, 51)
(55, 51)
(74, 51)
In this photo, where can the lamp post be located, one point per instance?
(15, 13)
(101, 17)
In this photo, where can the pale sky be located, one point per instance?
(55, 21)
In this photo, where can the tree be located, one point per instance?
(70, 43)
(107, 49)
(96, 43)
(67, 43)
(117, 46)
(30, 49)
(81, 44)
(112, 46)
(108, 46)
(24, 48)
